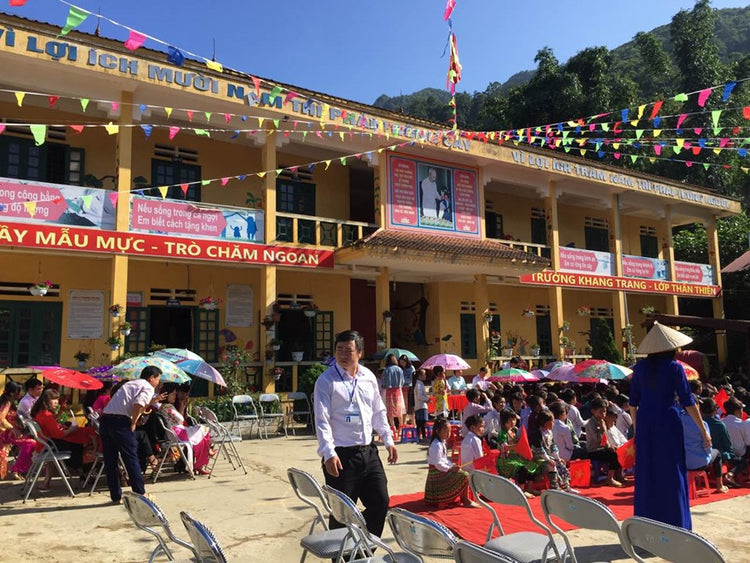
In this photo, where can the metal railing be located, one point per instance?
(320, 231)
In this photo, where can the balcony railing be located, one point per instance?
(320, 231)
(539, 249)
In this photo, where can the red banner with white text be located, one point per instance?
(637, 285)
(53, 237)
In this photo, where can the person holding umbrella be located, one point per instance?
(117, 429)
(661, 484)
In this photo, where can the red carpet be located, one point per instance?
(472, 523)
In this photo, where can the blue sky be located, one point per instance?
(359, 50)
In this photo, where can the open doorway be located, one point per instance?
(171, 327)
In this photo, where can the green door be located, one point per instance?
(30, 333)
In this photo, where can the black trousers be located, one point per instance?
(363, 478)
(119, 439)
(608, 456)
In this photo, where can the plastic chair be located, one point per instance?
(419, 535)
(184, 448)
(359, 540)
(266, 402)
(524, 546)
(223, 438)
(581, 512)
(306, 413)
(206, 545)
(467, 552)
(244, 408)
(147, 516)
(698, 485)
(49, 454)
(325, 544)
(668, 542)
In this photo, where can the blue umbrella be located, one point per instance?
(191, 363)
(398, 352)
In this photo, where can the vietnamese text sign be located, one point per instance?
(588, 261)
(51, 237)
(53, 203)
(702, 274)
(86, 313)
(431, 197)
(588, 281)
(642, 267)
(184, 218)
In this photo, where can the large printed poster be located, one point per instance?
(429, 196)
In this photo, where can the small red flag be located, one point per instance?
(721, 397)
(522, 447)
(626, 454)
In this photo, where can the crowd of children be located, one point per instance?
(558, 428)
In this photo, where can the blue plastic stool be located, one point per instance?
(599, 471)
(409, 434)
(428, 429)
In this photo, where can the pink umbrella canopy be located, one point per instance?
(514, 375)
(566, 373)
(448, 361)
(69, 377)
(602, 369)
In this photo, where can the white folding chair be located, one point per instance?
(581, 512)
(48, 454)
(148, 517)
(271, 402)
(362, 541)
(184, 448)
(525, 546)
(221, 437)
(244, 408)
(305, 413)
(421, 536)
(466, 552)
(668, 542)
(205, 543)
(324, 544)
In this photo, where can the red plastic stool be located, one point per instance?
(698, 484)
(428, 429)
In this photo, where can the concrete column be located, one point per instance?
(717, 302)
(555, 293)
(268, 163)
(383, 303)
(265, 301)
(673, 307)
(618, 297)
(124, 173)
(482, 302)
(380, 182)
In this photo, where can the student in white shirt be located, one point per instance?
(574, 415)
(738, 429)
(614, 436)
(563, 435)
(480, 380)
(478, 404)
(421, 400)
(492, 426)
(471, 446)
(348, 408)
(445, 480)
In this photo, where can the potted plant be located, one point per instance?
(387, 316)
(310, 310)
(275, 343)
(116, 310)
(82, 357)
(648, 310)
(583, 311)
(568, 345)
(487, 315)
(495, 336)
(298, 352)
(535, 350)
(565, 326)
(209, 303)
(277, 372)
(41, 288)
(511, 341)
(125, 328)
(113, 342)
(380, 340)
(528, 312)
(268, 322)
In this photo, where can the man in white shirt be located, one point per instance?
(117, 429)
(430, 195)
(347, 409)
(456, 382)
(480, 379)
(738, 429)
(34, 389)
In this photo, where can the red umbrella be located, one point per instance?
(69, 377)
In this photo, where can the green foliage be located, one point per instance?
(306, 381)
(232, 364)
(603, 345)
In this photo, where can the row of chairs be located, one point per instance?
(420, 537)
(148, 517)
(268, 412)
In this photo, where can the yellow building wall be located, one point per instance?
(330, 292)
(516, 212)
(571, 221)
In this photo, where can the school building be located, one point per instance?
(128, 180)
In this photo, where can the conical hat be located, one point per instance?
(662, 339)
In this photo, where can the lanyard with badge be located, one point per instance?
(352, 414)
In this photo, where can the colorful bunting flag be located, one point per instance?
(87, 201)
(30, 207)
(84, 104)
(135, 40)
(175, 56)
(173, 132)
(213, 65)
(76, 16)
(449, 7)
(77, 128)
(728, 87)
(112, 129)
(703, 96)
(163, 191)
(17, 3)
(147, 130)
(40, 134)
(113, 198)
(52, 100)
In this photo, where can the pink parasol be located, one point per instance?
(566, 373)
(69, 377)
(448, 361)
(513, 374)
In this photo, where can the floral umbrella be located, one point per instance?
(566, 373)
(191, 363)
(602, 369)
(513, 374)
(554, 365)
(132, 368)
(448, 361)
(690, 372)
(104, 373)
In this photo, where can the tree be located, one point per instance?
(603, 345)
